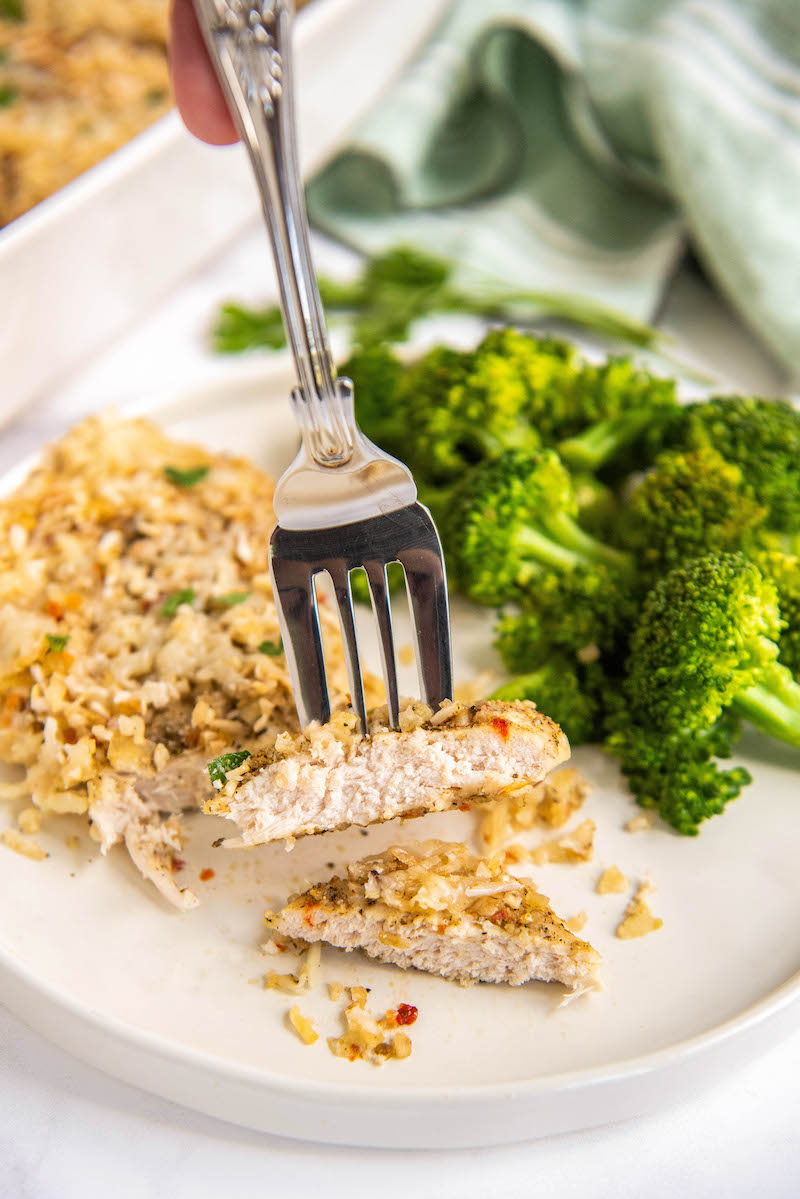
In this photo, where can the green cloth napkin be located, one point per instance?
(572, 145)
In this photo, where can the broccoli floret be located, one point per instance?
(598, 506)
(566, 692)
(689, 505)
(784, 571)
(676, 773)
(514, 516)
(464, 409)
(707, 640)
(623, 412)
(439, 439)
(581, 613)
(762, 438)
(376, 375)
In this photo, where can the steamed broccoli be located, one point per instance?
(598, 506)
(622, 412)
(581, 613)
(463, 409)
(689, 505)
(515, 516)
(707, 640)
(566, 691)
(676, 773)
(784, 571)
(376, 375)
(702, 656)
(762, 438)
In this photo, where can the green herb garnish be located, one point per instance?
(401, 286)
(231, 599)
(12, 10)
(217, 770)
(174, 601)
(57, 642)
(271, 648)
(238, 328)
(186, 478)
(7, 96)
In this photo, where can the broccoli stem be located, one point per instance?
(773, 704)
(570, 534)
(563, 543)
(537, 545)
(602, 441)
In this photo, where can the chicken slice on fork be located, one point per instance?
(331, 776)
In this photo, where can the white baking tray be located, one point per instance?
(85, 263)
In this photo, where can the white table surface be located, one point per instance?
(67, 1130)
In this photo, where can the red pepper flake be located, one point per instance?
(465, 807)
(310, 908)
(501, 727)
(406, 1014)
(502, 914)
(177, 864)
(206, 875)
(55, 610)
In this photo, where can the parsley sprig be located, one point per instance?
(174, 601)
(185, 478)
(219, 767)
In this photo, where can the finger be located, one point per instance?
(197, 92)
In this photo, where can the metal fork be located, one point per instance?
(343, 503)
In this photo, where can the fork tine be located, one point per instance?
(376, 574)
(295, 597)
(344, 598)
(427, 592)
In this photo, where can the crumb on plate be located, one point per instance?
(611, 882)
(639, 919)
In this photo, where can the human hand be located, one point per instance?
(197, 93)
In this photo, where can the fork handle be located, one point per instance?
(249, 42)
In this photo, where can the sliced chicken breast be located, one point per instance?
(330, 776)
(438, 908)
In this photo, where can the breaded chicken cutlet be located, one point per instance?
(330, 776)
(438, 908)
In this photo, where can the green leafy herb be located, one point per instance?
(271, 648)
(238, 328)
(8, 95)
(218, 769)
(57, 642)
(12, 10)
(185, 478)
(174, 601)
(231, 599)
(401, 286)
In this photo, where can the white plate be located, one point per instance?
(91, 957)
